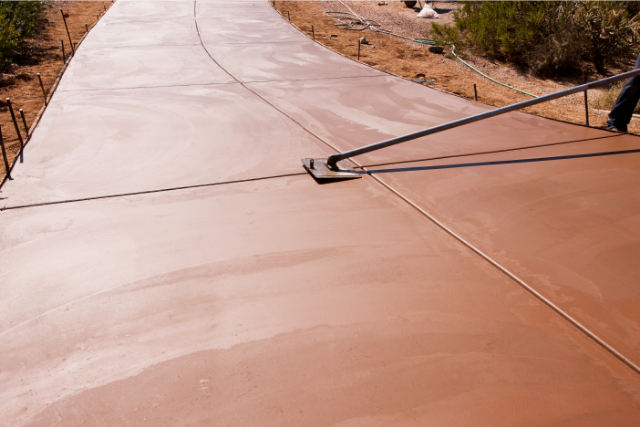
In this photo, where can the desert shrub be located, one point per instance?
(546, 37)
(448, 34)
(19, 20)
(608, 29)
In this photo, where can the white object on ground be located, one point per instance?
(428, 12)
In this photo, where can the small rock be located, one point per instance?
(7, 80)
(436, 49)
(13, 68)
(363, 40)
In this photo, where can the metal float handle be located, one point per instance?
(335, 158)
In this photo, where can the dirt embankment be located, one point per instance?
(44, 55)
(406, 58)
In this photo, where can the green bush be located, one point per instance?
(546, 37)
(19, 20)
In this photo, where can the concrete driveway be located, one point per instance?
(164, 258)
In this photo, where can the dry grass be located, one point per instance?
(608, 97)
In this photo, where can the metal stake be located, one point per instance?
(86, 27)
(313, 32)
(586, 108)
(73, 52)
(475, 91)
(586, 101)
(24, 122)
(15, 123)
(63, 55)
(4, 156)
(358, 50)
(42, 87)
(105, 7)
(289, 16)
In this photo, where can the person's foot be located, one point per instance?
(612, 128)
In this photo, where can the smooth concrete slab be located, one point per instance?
(101, 143)
(158, 32)
(280, 302)
(303, 60)
(141, 67)
(352, 113)
(568, 227)
(229, 9)
(240, 29)
(151, 10)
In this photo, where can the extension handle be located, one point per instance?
(335, 158)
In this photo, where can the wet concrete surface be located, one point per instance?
(564, 218)
(142, 67)
(251, 302)
(351, 113)
(281, 301)
(135, 140)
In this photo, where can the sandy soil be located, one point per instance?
(406, 58)
(44, 56)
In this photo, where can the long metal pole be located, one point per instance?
(335, 158)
